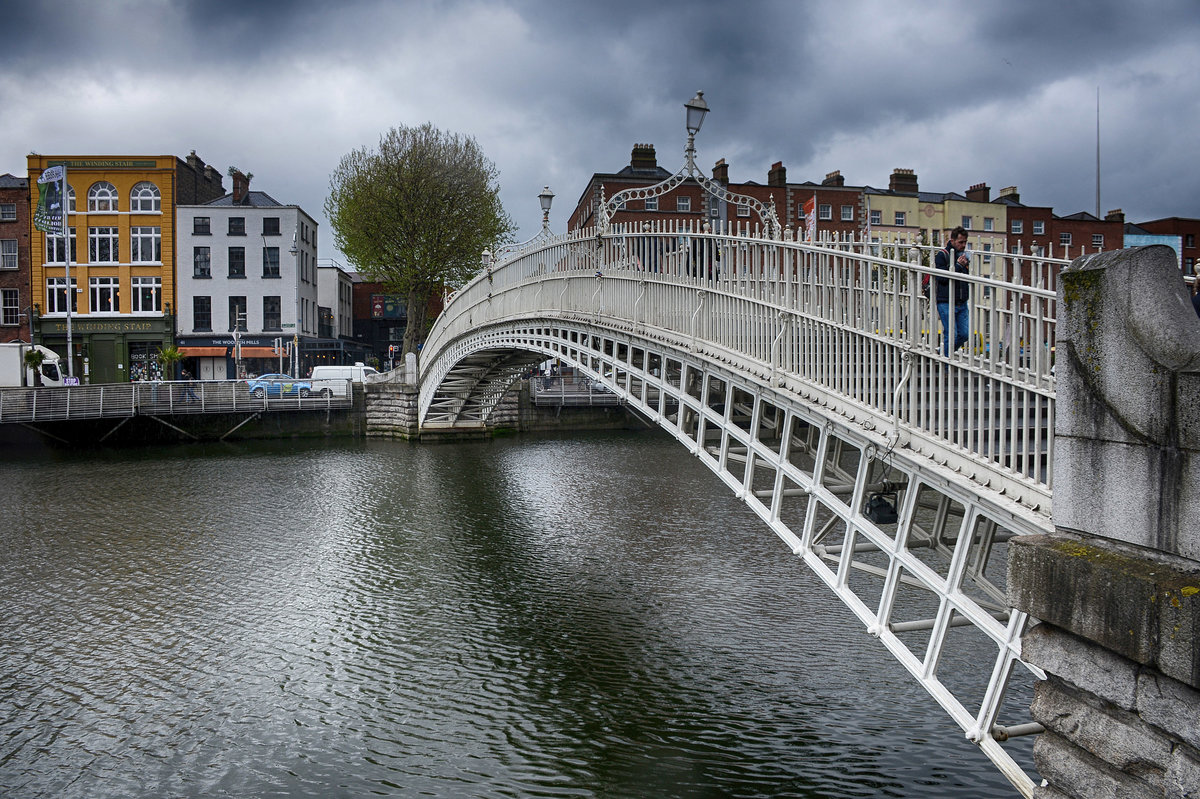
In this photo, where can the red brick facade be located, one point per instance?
(15, 294)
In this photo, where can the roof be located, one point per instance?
(1082, 216)
(253, 199)
(8, 181)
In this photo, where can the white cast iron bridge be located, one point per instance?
(810, 378)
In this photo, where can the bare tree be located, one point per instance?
(416, 214)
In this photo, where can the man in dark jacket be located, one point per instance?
(953, 295)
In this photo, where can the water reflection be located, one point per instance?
(589, 617)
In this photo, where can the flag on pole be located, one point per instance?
(810, 219)
(49, 216)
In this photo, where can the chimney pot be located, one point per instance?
(904, 181)
(834, 178)
(720, 172)
(643, 157)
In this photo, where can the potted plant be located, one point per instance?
(33, 360)
(169, 356)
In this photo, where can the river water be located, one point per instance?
(593, 616)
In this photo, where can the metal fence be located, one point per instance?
(153, 399)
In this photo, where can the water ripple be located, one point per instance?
(561, 618)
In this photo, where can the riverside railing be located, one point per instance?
(844, 323)
(154, 399)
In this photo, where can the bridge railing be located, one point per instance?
(845, 323)
(157, 398)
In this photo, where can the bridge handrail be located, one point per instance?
(842, 322)
(158, 398)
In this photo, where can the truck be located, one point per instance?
(14, 372)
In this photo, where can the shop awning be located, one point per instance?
(204, 352)
(259, 352)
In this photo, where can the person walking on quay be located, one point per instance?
(952, 296)
(188, 395)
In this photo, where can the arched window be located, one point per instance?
(71, 194)
(102, 196)
(145, 198)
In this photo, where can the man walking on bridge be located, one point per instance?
(952, 295)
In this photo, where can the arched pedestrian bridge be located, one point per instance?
(810, 378)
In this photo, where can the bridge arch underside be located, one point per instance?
(920, 558)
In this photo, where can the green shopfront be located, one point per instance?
(110, 350)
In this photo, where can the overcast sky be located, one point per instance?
(1001, 92)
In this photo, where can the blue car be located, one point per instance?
(277, 386)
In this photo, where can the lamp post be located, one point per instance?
(546, 198)
(696, 110)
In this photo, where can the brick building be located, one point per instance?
(15, 299)
(1188, 231)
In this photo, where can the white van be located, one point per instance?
(335, 380)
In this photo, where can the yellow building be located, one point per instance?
(122, 260)
(903, 213)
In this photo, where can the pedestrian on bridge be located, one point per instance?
(952, 296)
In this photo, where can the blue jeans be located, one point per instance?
(962, 325)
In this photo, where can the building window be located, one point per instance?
(105, 294)
(1018, 227)
(54, 249)
(10, 306)
(683, 204)
(1039, 228)
(714, 210)
(899, 219)
(147, 294)
(824, 211)
(877, 217)
(847, 213)
(146, 245)
(71, 195)
(270, 262)
(270, 226)
(1098, 241)
(237, 226)
(651, 205)
(237, 313)
(989, 223)
(966, 223)
(1189, 266)
(104, 245)
(237, 261)
(1064, 239)
(56, 295)
(201, 262)
(102, 196)
(202, 313)
(987, 248)
(743, 209)
(8, 212)
(271, 316)
(8, 253)
(200, 226)
(1189, 240)
(145, 198)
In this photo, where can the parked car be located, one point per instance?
(275, 385)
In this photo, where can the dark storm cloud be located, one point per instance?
(1002, 92)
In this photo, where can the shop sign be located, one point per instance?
(113, 326)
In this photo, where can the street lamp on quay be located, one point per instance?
(697, 109)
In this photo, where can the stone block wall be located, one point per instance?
(1116, 587)
(391, 410)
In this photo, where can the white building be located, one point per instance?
(335, 300)
(249, 262)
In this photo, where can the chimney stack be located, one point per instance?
(834, 178)
(1010, 192)
(241, 186)
(721, 172)
(904, 181)
(778, 175)
(643, 158)
(980, 193)
(1116, 215)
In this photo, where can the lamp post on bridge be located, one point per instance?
(697, 110)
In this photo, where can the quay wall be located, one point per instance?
(1116, 587)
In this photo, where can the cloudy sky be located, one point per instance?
(1002, 92)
